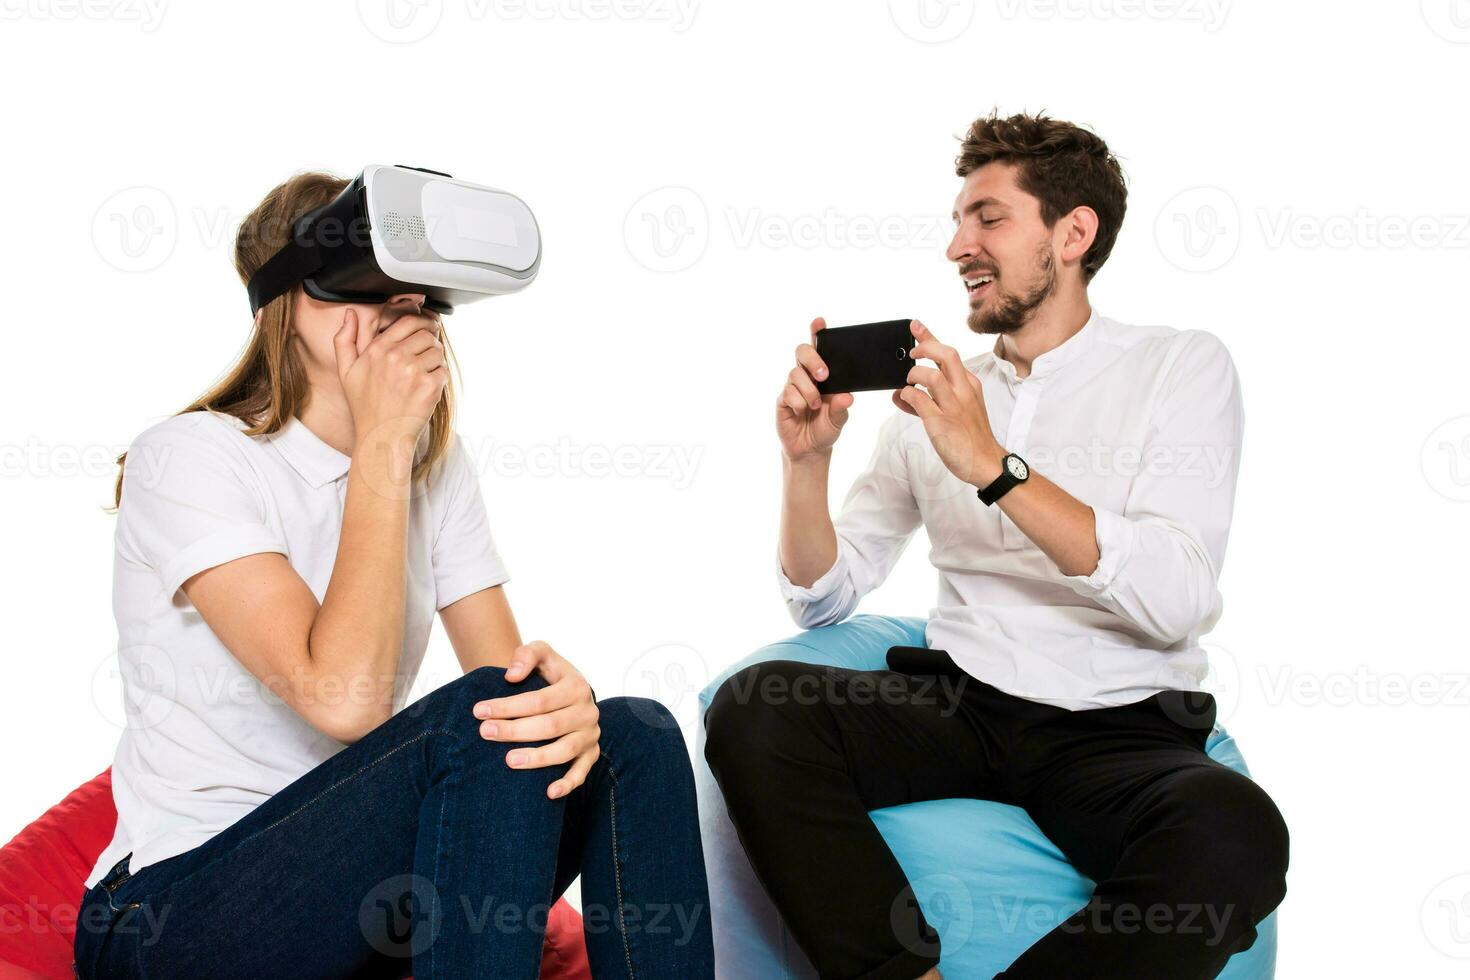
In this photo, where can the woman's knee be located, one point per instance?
(455, 701)
(641, 731)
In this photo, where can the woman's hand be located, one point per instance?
(563, 711)
(392, 377)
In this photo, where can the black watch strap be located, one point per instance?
(1011, 465)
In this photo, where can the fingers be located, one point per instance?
(811, 362)
(527, 657)
(806, 389)
(541, 728)
(576, 775)
(915, 402)
(365, 334)
(523, 705)
(570, 689)
(800, 394)
(934, 380)
(430, 360)
(792, 401)
(564, 749)
(407, 325)
(837, 406)
(421, 340)
(946, 357)
(344, 342)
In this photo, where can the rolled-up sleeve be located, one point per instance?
(1160, 559)
(878, 519)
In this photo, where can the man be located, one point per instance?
(1076, 485)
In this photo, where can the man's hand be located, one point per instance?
(563, 711)
(808, 422)
(952, 407)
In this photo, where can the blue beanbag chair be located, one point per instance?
(985, 876)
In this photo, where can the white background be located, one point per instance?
(707, 178)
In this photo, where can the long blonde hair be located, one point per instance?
(267, 385)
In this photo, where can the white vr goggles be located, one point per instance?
(406, 230)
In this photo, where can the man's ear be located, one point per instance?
(1079, 228)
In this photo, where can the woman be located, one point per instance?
(281, 548)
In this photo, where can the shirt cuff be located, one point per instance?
(1114, 535)
(216, 549)
(818, 590)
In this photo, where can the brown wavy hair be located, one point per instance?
(267, 385)
(1061, 164)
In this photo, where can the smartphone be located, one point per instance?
(866, 357)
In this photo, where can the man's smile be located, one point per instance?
(979, 285)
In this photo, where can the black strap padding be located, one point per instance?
(295, 262)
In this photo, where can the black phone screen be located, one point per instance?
(866, 357)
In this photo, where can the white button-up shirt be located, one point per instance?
(206, 741)
(1144, 425)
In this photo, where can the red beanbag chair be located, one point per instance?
(43, 874)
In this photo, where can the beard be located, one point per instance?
(1008, 312)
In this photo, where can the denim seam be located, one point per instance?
(313, 801)
(438, 853)
(612, 773)
(350, 777)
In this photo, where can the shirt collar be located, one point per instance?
(1053, 359)
(317, 462)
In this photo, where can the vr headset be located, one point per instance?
(406, 230)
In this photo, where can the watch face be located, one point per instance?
(1017, 466)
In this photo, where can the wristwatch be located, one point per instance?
(1014, 471)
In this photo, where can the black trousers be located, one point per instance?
(1188, 855)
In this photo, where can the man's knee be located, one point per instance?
(761, 711)
(1241, 841)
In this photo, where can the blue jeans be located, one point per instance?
(417, 849)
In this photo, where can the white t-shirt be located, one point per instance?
(206, 742)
